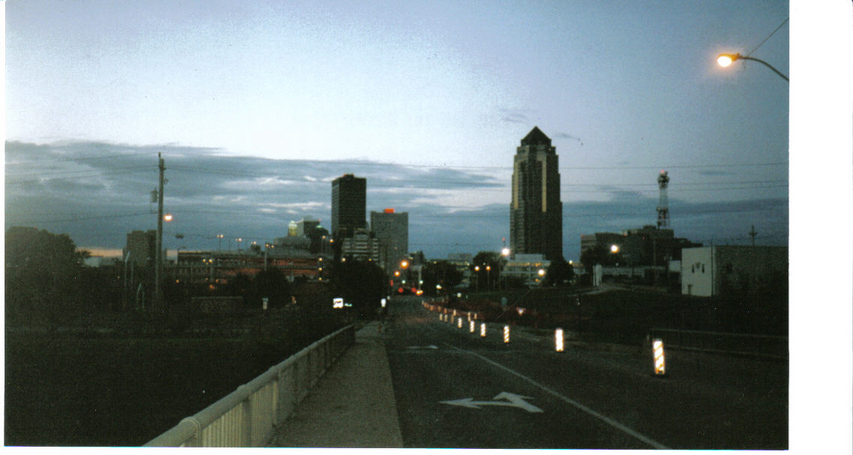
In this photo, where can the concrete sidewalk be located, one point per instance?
(352, 406)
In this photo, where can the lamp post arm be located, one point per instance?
(765, 64)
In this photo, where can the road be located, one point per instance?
(455, 389)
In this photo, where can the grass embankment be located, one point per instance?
(125, 388)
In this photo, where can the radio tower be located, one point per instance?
(663, 204)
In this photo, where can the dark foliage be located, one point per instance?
(559, 273)
(440, 273)
(361, 283)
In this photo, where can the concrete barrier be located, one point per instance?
(247, 416)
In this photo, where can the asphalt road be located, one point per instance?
(455, 389)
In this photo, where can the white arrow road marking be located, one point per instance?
(432, 346)
(513, 400)
(569, 401)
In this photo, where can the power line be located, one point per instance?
(75, 219)
(86, 171)
(768, 37)
(77, 177)
(61, 160)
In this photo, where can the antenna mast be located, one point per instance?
(663, 204)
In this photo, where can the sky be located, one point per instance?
(257, 106)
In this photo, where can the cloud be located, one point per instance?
(98, 192)
(568, 136)
(514, 116)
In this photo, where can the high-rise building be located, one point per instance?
(305, 226)
(392, 232)
(361, 245)
(349, 205)
(536, 212)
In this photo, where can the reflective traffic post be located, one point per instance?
(482, 329)
(459, 324)
(472, 326)
(558, 340)
(506, 334)
(659, 357)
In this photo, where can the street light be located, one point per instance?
(505, 254)
(725, 60)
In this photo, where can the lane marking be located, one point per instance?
(513, 400)
(571, 402)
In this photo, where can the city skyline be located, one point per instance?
(255, 199)
(80, 141)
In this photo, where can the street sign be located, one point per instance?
(502, 399)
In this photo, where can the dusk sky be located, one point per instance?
(256, 106)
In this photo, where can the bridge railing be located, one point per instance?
(764, 346)
(248, 416)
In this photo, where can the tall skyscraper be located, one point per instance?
(536, 212)
(392, 231)
(349, 205)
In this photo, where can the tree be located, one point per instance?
(361, 283)
(41, 269)
(271, 284)
(486, 267)
(559, 273)
(440, 272)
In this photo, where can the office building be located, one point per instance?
(349, 205)
(391, 230)
(361, 245)
(306, 226)
(536, 212)
(721, 270)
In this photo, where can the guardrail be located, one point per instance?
(765, 346)
(248, 416)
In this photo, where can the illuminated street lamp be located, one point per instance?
(505, 254)
(725, 60)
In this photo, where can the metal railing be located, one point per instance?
(248, 416)
(765, 346)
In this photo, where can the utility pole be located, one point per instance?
(158, 267)
(753, 279)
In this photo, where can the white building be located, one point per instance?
(526, 267)
(717, 270)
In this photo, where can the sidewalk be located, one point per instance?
(352, 406)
